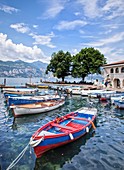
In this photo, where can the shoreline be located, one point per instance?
(85, 86)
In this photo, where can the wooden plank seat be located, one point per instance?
(79, 118)
(63, 127)
(84, 119)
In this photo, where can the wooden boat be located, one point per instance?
(31, 99)
(119, 103)
(106, 95)
(91, 93)
(74, 90)
(35, 108)
(63, 130)
(14, 90)
(42, 86)
(20, 92)
(115, 99)
(103, 95)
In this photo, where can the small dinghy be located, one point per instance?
(63, 130)
(31, 99)
(35, 108)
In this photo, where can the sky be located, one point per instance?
(32, 30)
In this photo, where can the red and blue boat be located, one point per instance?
(63, 130)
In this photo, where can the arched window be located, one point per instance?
(117, 70)
(112, 70)
(122, 70)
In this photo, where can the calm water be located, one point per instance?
(99, 150)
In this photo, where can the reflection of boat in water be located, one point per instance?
(56, 158)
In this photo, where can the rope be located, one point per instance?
(18, 158)
(35, 143)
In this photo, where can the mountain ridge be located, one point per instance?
(21, 68)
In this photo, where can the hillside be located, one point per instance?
(22, 69)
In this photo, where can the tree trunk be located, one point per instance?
(83, 77)
(63, 79)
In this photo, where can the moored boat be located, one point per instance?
(63, 130)
(115, 99)
(35, 108)
(91, 93)
(31, 99)
(17, 92)
(119, 103)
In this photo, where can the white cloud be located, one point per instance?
(70, 25)
(113, 39)
(77, 13)
(35, 26)
(55, 7)
(114, 9)
(112, 54)
(90, 9)
(12, 52)
(8, 9)
(43, 39)
(20, 27)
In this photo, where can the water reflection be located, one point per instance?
(103, 151)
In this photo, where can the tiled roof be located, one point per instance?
(115, 63)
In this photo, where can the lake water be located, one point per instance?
(102, 149)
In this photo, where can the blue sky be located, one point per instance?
(32, 30)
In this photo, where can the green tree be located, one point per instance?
(87, 61)
(60, 64)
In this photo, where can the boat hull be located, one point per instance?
(31, 99)
(119, 104)
(35, 108)
(54, 143)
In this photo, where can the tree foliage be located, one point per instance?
(87, 61)
(60, 64)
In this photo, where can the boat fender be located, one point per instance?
(87, 129)
(71, 136)
(12, 106)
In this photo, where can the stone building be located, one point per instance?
(116, 73)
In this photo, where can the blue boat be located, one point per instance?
(12, 92)
(18, 100)
(63, 130)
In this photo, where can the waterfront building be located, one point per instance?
(116, 73)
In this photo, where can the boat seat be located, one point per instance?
(45, 133)
(79, 118)
(62, 126)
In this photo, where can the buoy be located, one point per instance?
(71, 136)
(87, 129)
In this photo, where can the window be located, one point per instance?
(122, 70)
(112, 70)
(116, 70)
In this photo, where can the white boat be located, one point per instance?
(91, 93)
(28, 109)
(76, 90)
(115, 99)
(102, 94)
(119, 104)
(19, 90)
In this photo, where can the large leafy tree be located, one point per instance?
(60, 64)
(87, 61)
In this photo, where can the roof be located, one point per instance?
(115, 63)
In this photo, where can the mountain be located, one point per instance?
(22, 69)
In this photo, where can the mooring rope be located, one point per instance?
(18, 158)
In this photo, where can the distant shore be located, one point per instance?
(85, 86)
